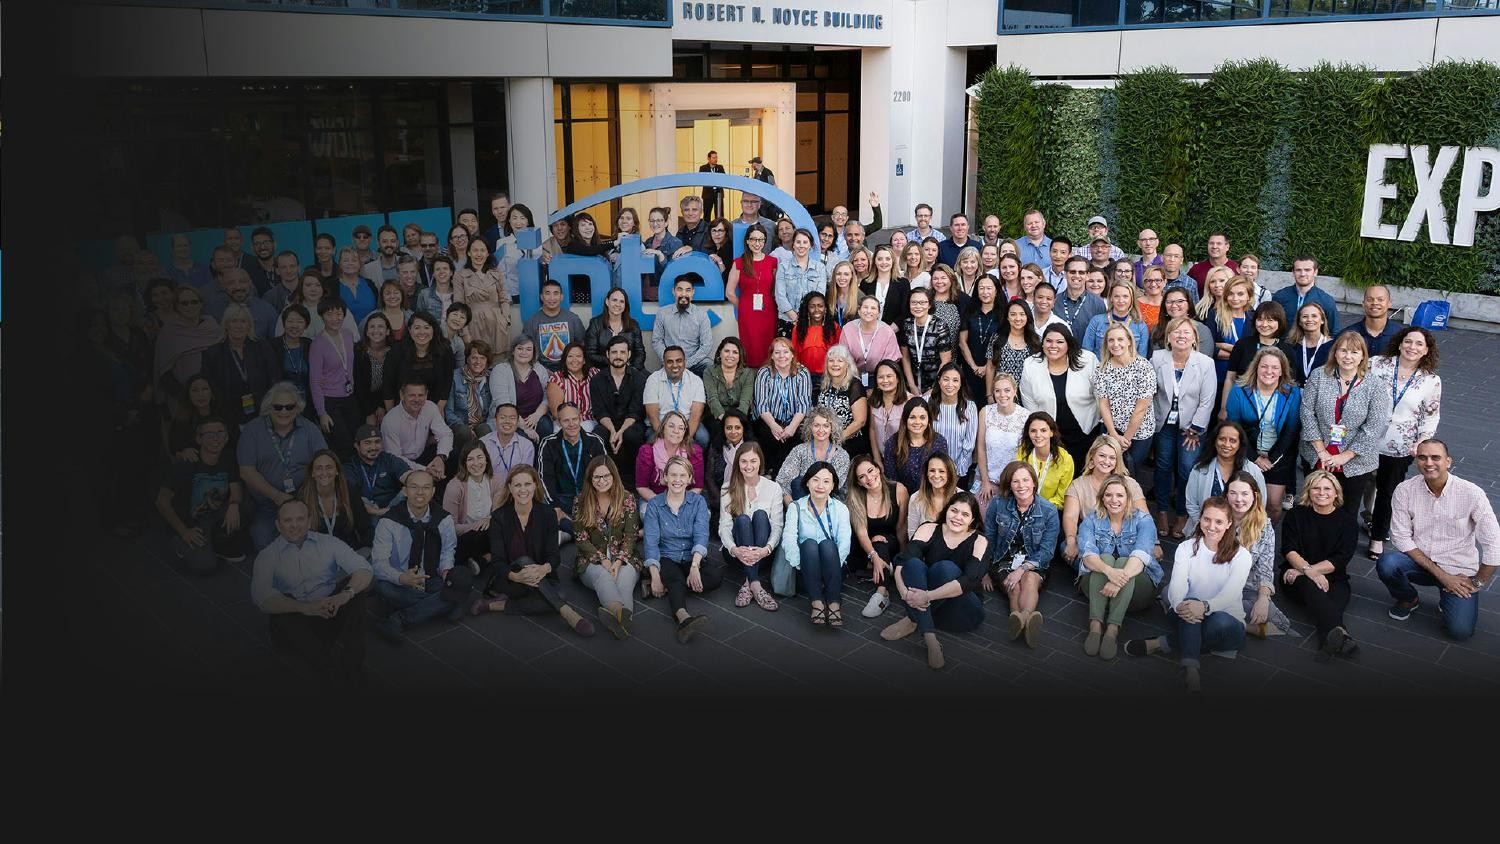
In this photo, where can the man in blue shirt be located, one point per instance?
(1377, 328)
(412, 556)
(924, 229)
(313, 586)
(374, 474)
(1303, 289)
(1036, 246)
(1075, 304)
(959, 238)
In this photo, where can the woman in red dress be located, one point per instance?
(751, 290)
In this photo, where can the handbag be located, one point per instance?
(783, 576)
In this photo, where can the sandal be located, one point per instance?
(835, 617)
(820, 615)
(766, 601)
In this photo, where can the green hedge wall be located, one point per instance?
(1153, 133)
(1275, 159)
(1007, 114)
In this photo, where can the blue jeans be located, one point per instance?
(1135, 456)
(822, 570)
(1171, 454)
(414, 606)
(955, 615)
(754, 533)
(1401, 575)
(1219, 632)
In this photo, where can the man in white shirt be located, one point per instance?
(411, 558)
(1439, 525)
(313, 588)
(673, 387)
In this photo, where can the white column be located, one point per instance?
(878, 118)
(533, 161)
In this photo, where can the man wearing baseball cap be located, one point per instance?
(362, 244)
(1098, 227)
(763, 173)
(373, 473)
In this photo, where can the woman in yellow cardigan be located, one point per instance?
(1041, 447)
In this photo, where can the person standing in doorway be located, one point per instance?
(713, 198)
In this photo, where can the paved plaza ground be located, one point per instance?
(152, 627)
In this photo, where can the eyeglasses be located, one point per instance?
(604, 477)
(283, 407)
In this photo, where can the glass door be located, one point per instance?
(735, 136)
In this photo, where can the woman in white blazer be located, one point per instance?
(1059, 381)
(1186, 388)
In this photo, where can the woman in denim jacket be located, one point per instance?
(1116, 570)
(1021, 528)
(470, 408)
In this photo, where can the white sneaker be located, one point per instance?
(876, 605)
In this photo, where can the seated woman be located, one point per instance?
(470, 498)
(652, 458)
(1229, 452)
(1248, 511)
(821, 437)
(1116, 569)
(938, 576)
(523, 382)
(841, 391)
(1041, 449)
(1002, 424)
(676, 528)
(904, 456)
(1204, 595)
(750, 524)
(877, 509)
(605, 526)
(1021, 527)
(816, 540)
(522, 531)
(732, 432)
(956, 418)
(470, 406)
(326, 495)
(571, 384)
(1104, 461)
(939, 482)
(1268, 405)
(1318, 538)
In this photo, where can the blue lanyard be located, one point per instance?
(1397, 397)
(827, 455)
(369, 481)
(676, 394)
(784, 398)
(824, 516)
(574, 463)
(506, 455)
(1260, 410)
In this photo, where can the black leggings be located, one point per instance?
(474, 545)
(1327, 608)
(1388, 475)
(674, 576)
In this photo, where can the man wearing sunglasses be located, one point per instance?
(1076, 306)
(274, 451)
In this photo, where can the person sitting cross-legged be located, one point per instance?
(413, 553)
(312, 586)
(939, 574)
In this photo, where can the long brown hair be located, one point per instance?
(858, 497)
(586, 508)
(309, 491)
(903, 434)
(925, 490)
(738, 495)
(1231, 541)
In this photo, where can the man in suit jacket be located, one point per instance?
(763, 173)
(713, 198)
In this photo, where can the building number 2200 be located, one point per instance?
(900, 96)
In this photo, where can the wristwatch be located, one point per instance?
(1206, 608)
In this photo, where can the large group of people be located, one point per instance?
(948, 415)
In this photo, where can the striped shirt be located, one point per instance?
(1449, 528)
(781, 397)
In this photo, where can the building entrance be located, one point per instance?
(734, 134)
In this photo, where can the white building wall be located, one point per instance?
(1386, 45)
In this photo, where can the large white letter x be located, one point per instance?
(1429, 201)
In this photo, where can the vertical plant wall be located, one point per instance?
(1153, 132)
(1274, 159)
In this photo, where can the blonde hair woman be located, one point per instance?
(1124, 310)
(843, 294)
(1125, 383)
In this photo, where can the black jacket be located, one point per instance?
(262, 368)
(896, 299)
(556, 469)
(596, 344)
(539, 538)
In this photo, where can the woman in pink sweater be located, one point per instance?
(869, 340)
